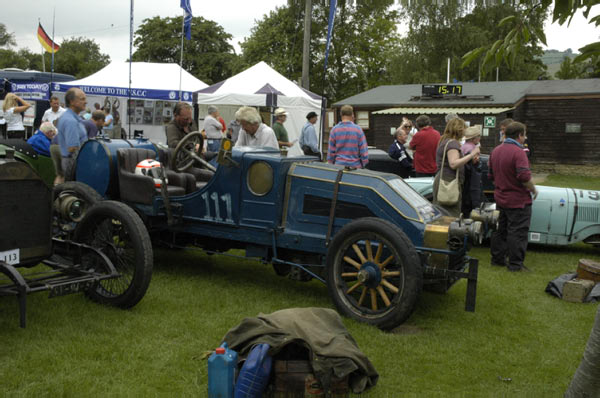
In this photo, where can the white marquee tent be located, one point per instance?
(255, 85)
(154, 86)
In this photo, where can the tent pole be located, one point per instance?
(130, 56)
(181, 55)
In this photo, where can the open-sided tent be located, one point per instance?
(154, 87)
(261, 85)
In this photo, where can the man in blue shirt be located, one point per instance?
(72, 132)
(40, 141)
(308, 136)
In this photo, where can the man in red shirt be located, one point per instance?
(508, 167)
(424, 144)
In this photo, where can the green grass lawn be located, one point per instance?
(520, 341)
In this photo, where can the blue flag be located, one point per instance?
(187, 20)
(332, 8)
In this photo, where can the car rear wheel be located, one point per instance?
(374, 273)
(72, 200)
(118, 232)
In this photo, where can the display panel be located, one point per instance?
(431, 90)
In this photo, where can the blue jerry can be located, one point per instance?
(254, 375)
(221, 372)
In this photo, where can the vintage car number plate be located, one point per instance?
(11, 257)
(76, 287)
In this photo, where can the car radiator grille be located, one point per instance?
(588, 214)
(25, 216)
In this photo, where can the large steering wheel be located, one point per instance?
(185, 153)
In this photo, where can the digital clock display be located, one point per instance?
(441, 89)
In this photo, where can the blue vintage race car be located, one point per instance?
(369, 236)
(560, 216)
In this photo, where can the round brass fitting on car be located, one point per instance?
(467, 227)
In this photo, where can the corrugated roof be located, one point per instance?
(498, 93)
(442, 111)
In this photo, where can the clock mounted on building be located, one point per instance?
(439, 90)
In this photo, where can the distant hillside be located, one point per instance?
(553, 58)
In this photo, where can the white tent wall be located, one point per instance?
(239, 90)
(154, 133)
(297, 109)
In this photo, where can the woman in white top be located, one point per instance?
(12, 115)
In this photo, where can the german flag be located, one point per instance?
(46, 41)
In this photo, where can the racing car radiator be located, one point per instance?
(25, 214)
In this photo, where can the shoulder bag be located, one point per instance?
(448, 191)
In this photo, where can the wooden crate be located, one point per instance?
(576, 290)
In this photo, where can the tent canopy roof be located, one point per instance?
(154, 77)
(259, 79)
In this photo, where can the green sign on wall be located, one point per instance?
(489, 121)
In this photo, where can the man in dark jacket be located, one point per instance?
(398, 152)
(508, 167)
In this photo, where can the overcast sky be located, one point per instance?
(107, 21)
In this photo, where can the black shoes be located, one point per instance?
(520, 268)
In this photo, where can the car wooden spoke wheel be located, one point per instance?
(118, 232)
(374, 273)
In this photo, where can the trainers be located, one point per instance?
(496, 264)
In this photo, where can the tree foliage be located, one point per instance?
(363, 38)
(523, 29)
(208, 55)
(6, 38)
(79, 57)
(568, 70)
(437, 32)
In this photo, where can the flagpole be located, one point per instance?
(181, 55)
(130, 56)
(330, 22)
(52, 63)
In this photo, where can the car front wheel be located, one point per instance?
(119, 233)
(374, 273)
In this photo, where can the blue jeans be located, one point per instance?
(213, 145)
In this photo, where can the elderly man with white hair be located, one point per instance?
(41, 140)
(254, 132)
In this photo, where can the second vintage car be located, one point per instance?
(559, 216)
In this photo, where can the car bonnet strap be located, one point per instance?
(336, 188)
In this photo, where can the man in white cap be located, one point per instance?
(279, 129)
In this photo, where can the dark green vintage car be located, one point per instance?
(24, 152)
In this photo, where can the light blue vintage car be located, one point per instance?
(560, 216)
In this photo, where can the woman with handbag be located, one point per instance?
(447, 185)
